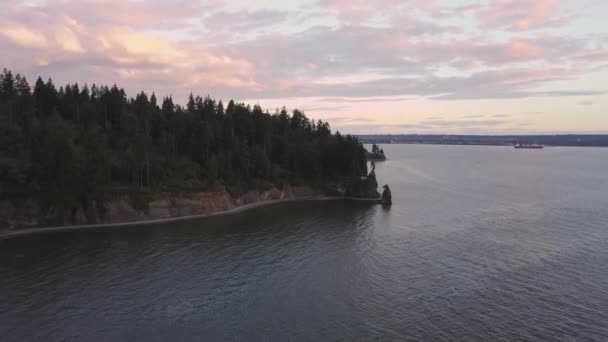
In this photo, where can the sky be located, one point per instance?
(381, 66)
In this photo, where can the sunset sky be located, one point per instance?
(382, 66)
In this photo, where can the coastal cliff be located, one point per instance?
(129, 208)
(91, 156)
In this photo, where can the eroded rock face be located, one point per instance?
(160, 208)
(80, 216)
(273, 194)
(120, 210)
(161, 205)
(303, 192)
(20, 214)
(249, 197)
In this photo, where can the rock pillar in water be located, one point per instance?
(387, 197)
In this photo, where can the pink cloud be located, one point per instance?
(520, 15)
(524, 50)
(312, 66)
(134, 43)
(243, 21)
(23, 36)
(595, 55)
(129, 12)
(57, 40)
(360, 11)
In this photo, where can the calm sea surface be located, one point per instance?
(482, 243)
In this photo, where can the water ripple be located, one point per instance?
(481, 244)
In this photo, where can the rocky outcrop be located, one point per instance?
(119, 209)
(387, 196)
(377, 154)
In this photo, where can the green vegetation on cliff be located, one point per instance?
(73, 144)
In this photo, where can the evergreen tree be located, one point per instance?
(75, 143)
(191, 106)
(153, 100)
(7, 84)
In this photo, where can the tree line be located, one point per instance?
(75, 141)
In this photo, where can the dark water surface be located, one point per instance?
(482, 243)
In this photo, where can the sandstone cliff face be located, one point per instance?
(26, 214)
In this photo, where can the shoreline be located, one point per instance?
(473, 144)
(15, 233)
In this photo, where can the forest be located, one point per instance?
(74, 143)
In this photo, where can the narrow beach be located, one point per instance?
(20, 232)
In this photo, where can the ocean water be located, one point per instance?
(482, 243)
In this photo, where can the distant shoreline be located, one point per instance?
(21, 232)
(473, 144)
(558, 140)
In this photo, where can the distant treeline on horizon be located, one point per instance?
(596, 140)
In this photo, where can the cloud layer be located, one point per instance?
(433, 49)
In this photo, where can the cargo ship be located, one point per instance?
(530, 146)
